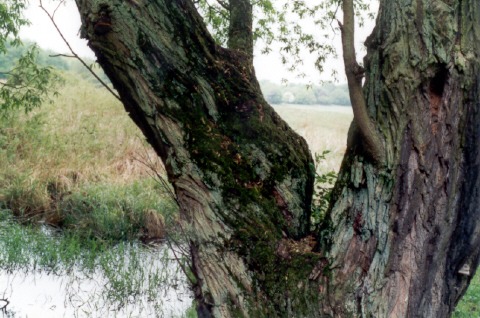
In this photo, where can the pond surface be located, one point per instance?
(139, 282)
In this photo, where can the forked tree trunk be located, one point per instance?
(398, 232)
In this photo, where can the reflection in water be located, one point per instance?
(133, 282)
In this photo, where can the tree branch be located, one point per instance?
(75, 55)
(56, 9)
(354, 73)
(240, 33)
(6, 303)
(62, 55)
(223, 4)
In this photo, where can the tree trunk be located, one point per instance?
(398, 232)
(242, 177)
(403, 232)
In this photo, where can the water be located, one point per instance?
(138, 282)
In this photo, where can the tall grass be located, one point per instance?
(74, 173)
(78, 163)
(83, 135)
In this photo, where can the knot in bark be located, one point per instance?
(358, 71)
(103, 24)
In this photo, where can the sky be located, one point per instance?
(268, 67)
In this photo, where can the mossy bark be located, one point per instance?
(397, 233)
(242, 177)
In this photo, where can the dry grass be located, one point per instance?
(59, 154)
(84, 135)
(91, 134)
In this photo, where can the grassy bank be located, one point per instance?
(81, 164)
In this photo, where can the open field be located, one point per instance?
(323, 127)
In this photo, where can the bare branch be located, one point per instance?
(55, 11)
(63, 55)
(158, 177)
(6, 303)
(224, 4)
(51, 17)
(334, 15)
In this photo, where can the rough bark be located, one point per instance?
(242, 177)
(397, 234)
(402, 233)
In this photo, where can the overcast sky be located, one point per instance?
(268, 67)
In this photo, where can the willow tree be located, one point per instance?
(401, 237)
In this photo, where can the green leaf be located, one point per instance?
(27, 85)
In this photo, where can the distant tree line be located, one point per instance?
(326, 94)
(47, 58)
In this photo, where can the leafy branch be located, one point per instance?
(323, 187)
(11, 21)
(27, 85)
